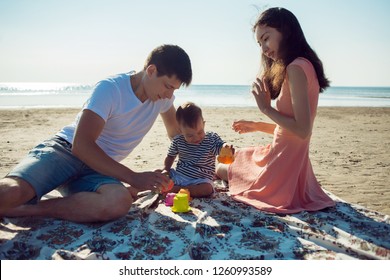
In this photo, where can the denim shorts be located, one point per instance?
(182, 180)
(51, 164)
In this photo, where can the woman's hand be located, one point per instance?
(262, 95)
(243, 126)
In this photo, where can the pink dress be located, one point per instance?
(279, 177)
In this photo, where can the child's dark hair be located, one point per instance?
(171, 60)
(188, 114)
(293, 45)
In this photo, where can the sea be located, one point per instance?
(72, 95)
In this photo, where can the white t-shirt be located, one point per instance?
(127, 119)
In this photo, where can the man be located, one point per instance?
(84, 157)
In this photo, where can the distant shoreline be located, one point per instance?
(203, 106)
(46, 95)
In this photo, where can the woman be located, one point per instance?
(279, 177)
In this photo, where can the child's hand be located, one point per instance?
(163, 171)
(229, 146)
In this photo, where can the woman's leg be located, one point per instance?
(222, 171)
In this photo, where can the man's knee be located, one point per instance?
(116, 206)
(114, 212)
(15, 191)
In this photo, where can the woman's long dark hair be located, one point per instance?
(293, 45)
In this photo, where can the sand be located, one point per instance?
(350, 148)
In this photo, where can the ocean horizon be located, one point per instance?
(72, 95)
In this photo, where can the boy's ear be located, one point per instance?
(151, 69)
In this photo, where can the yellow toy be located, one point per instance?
(180, 203)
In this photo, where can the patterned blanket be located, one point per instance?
(216, 228)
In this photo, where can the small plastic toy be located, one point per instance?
(187, 192)
(168, 187)
(169, 199)
(180, 203)
(226, 155)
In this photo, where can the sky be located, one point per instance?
(83, 41)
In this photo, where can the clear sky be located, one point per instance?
(83, 41)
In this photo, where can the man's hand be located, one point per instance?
(149, 180)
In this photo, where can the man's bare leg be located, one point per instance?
(14, 192)
(108, 203)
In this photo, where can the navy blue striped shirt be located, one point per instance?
(196, 160)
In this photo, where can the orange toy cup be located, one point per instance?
(186, 191)
(226, 160)
(226, 155)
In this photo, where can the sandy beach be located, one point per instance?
(350, 149)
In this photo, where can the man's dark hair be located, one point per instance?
(171, 60)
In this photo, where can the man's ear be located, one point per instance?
(151, 69)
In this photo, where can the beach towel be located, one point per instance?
(216, 228)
